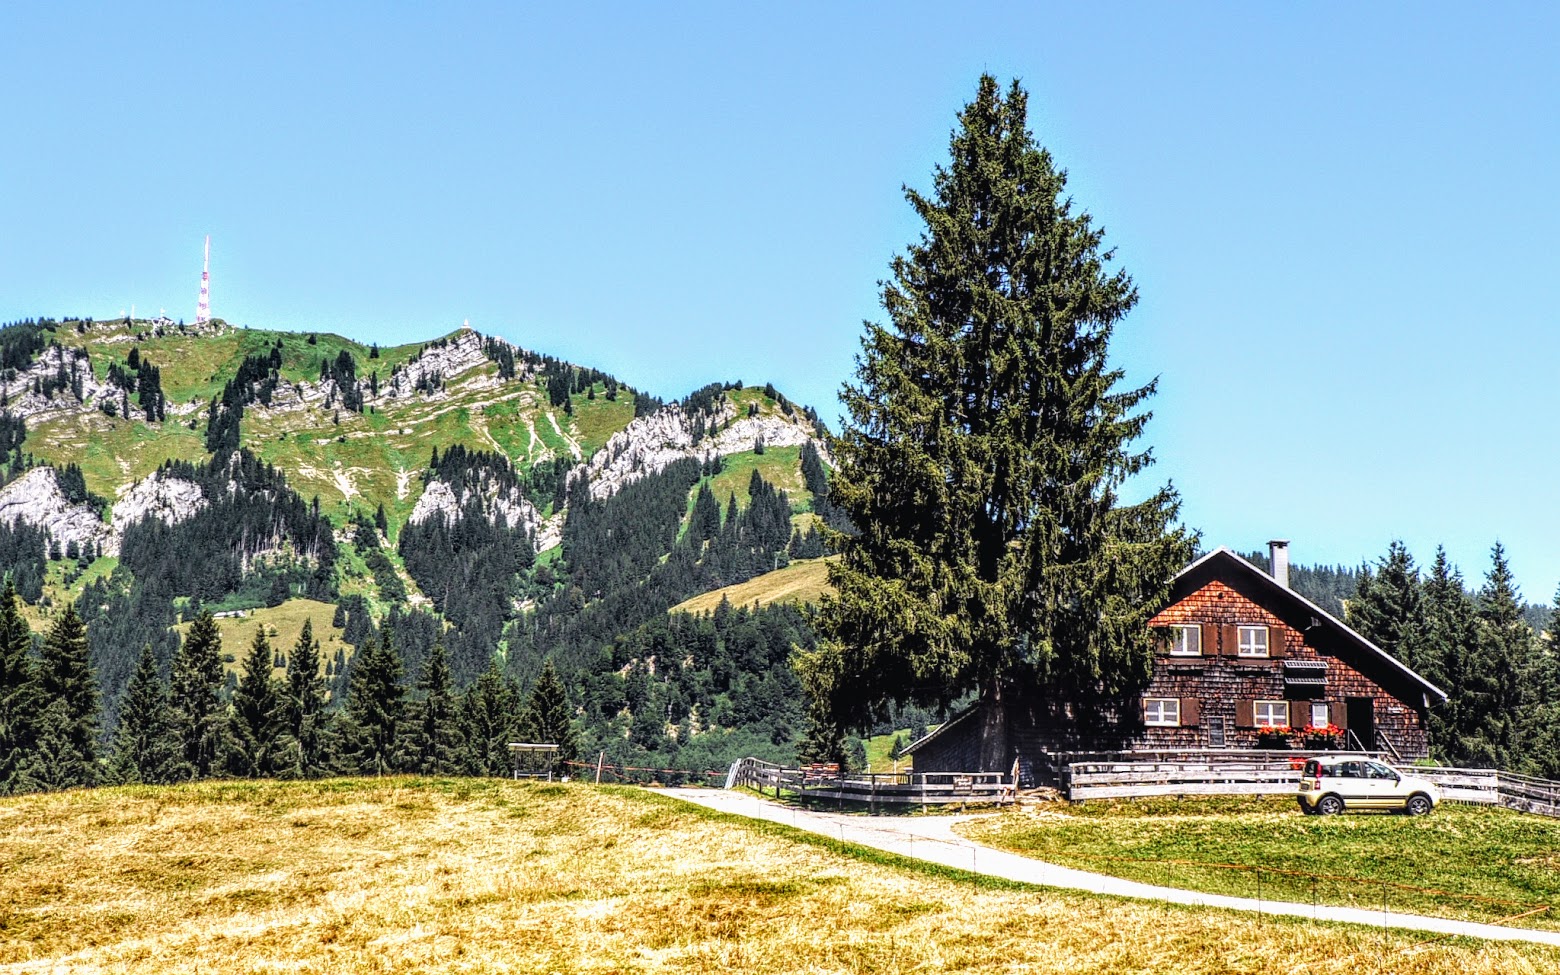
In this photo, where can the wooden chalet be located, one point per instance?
(1243, 662)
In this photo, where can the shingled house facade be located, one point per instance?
(1241, 660)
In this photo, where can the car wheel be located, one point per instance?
(1419, 804)
(1329, 806)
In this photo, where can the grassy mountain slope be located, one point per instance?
(800, 582)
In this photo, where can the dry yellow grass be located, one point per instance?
(405, 875)
(799, 582)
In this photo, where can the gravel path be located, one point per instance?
(932, 838)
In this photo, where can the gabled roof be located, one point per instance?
(1224, 556)
(938, 731)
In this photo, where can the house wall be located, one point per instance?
(1218, 679)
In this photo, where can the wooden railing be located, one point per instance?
(1278, 773)
(897, 788)
(1258, 774)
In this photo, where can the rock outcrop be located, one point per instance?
(439, 500)
(169, 499)
(650, 443)
(35, 499)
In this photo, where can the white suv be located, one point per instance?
(1332, 783)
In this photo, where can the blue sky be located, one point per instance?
(1342, 218)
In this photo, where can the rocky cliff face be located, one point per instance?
(35, 499)
(53, 363)
(439, 500)
(650, 443)
(169, 499)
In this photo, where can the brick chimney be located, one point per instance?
(1278, 559)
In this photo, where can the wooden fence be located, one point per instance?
(898, 788)
(1278, 773)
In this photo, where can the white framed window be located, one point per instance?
(1253, 641)
(1319, 715)
(1163, 712)
(1186, 640)
(1270, 714)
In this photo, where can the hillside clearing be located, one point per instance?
(488, 875)
(1467, 862)
(800, 582)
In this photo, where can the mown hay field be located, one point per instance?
(1470, 862)
(426, 875)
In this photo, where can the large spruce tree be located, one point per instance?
(65, 678)
(257, 721)
(375, 701)
(988, 436)
(434, 740)
(304, 706)
(195, 695)
(145, 748)
(18, 691)
(1387, 606)
(548, 718)
(1498, 698)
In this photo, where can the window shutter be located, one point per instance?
(1210, 640)
(1339, 714)
(1189, 713)
(1275, 641)
(1245, 714)
(1229, 643)
(1162, 639)
(1299, 714)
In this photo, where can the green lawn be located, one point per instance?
(1461, 861)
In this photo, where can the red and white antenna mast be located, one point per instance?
(203, 309)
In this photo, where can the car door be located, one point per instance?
(1381, 786)
(1350, 784)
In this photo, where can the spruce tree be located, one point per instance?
(1387, 606)
(56, 761)
(986, 440)
(434, 743)
(375, 701)
(65, 677)
(19, 691)
(258, 716)
(489, 719)
(145, 749)
(1495, 697)
(547, 717)
(1448, 657)
(304, 707)
(195, 695)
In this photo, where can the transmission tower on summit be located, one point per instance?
(203, 308)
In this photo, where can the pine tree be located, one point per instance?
(547, 717)
(986, 441)
(195, 695)
(56, 762)
(19, 691)
(1387, 606)
(304, 707)
(434, 742)
(258, 715)
(1448, 640)
(145, 749)
(375, 702)
(488, 714)
(65, 677)
(1498, 699)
